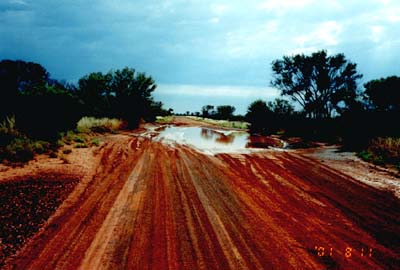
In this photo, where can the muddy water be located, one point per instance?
(206, 139)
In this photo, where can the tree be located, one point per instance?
(281, 107)
(122, 93)
(257, 115)
(94, 91)
(19, 78)
(207, 111)
(133, 96)
(42, 106)
(383, 94)
(225, 112)
(323, 85)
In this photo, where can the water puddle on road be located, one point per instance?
(208, 139)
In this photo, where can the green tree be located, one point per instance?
(281, 107)
(257, 115)
(41, 106)
(133, 96)
(207, 111)
(383, 94)
(94, 91)
(19, 78)
(121, 93)
(323, 85)
(225, 112)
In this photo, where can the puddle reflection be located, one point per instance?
(206, 138)
(215, 140)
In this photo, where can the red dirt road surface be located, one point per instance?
(151, 205)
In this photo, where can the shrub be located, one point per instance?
(41, 147)
(365, 155)
(67, 151)
(96, 141)
(18, 150)
(382, 151)
(8, 131)
(92, 124)
(79, 139)
(387, 148)
(164, 119)
(80, 145)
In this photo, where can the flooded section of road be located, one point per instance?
(206, 139)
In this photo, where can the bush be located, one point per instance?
(8, 131)
(44, 116)
(41, 147)
(15, 146)
(67, 151)
(81, 145)
(365, 155)
(96, 142)
(164, 119)
(92, 124)
(79, 139)
(18, 150)
(382, 151)
(387, 148)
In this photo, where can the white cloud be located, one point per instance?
(302, 50)
(197, 42)
(214, 20)
(325, 34)
(386, 2)
(219, 9)
(19, 2)
(249, 42)
(376, 33)
(284, 4)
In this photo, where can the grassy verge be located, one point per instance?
(17, 148)
(382, 151)
(222, 123)
(100, 125)
(164, 119)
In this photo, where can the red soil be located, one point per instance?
(146, 205)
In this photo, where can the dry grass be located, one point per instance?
(164, 119)
(388, 148)
(92, 124)
(383, 151)
(222, 123)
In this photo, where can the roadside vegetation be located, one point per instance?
(18, 148)
(333, 108)
(39, 114)
(382, 151)
(92, 124)
(222, 123)
(164, 119)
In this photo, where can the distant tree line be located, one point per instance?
(332, 105)
(43, 106)
(222, 112)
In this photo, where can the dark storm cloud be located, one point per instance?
(197, 42)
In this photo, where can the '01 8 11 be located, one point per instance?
(348, 252)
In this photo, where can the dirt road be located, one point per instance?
(151, 205)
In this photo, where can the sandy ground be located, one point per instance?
(142, 204)
(347, 162)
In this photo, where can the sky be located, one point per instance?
(199, 52)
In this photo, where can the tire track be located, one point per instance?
(154, 206)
